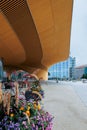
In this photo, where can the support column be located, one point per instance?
(41, 73)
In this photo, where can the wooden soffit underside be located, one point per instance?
(34, 33)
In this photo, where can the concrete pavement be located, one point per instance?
(65, 105)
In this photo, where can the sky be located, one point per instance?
(78, 45)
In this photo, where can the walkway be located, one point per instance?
(62, 101)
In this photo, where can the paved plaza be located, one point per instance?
(66, 101)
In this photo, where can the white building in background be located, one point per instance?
(80, 71)
(63, 70)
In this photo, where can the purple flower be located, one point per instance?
(36, 127)
(33, 125)
(17, 126)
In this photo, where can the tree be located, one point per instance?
(84, 76)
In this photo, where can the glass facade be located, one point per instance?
(63, 70)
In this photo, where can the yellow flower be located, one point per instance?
(39, 107)
(11, 115)
(28, 113)
(28, 108)
(21, 108)
(35, 106)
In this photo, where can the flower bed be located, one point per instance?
(22, 110)
(31, 117)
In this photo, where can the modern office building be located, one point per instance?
(63, 70)
(80, 71)
(71, 67)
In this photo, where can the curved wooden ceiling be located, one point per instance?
(34, 34)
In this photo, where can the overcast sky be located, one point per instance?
(79, 32)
